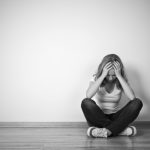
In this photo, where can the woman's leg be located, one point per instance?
(93, 114)
(125, 116)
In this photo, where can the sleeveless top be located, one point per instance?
(108, 102)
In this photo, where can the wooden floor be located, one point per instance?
(67, 136)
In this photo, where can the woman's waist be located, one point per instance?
(108, 109)
(109, 105)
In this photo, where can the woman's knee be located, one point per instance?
(87, 102)
(136, 104)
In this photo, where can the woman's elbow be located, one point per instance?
(88, 95)
(132, 97)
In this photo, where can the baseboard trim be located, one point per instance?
(57, 124)
(43, 124)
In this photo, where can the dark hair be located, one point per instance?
(106, 59)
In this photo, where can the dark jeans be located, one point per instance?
(115, 122)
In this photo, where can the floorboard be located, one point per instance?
(68, 136)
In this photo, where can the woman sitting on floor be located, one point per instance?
(101, 105)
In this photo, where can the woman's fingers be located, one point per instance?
(114, 65)
(117, 65)
(110, 68)
(108, 65)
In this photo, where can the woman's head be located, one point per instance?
(111, 74)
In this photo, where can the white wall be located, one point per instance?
(49, 50)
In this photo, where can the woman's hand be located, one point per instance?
(106, 68)
(94, 86)
(117, 68)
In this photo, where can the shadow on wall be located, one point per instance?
(138, 86)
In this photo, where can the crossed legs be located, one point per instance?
(116, 122)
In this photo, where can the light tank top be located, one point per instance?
(108, 102)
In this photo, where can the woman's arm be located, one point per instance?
(126, 87)
(93, 86)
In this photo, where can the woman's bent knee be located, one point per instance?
(87, 102)
(136, 104)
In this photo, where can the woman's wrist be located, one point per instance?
(118, 75)
(103, 75)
